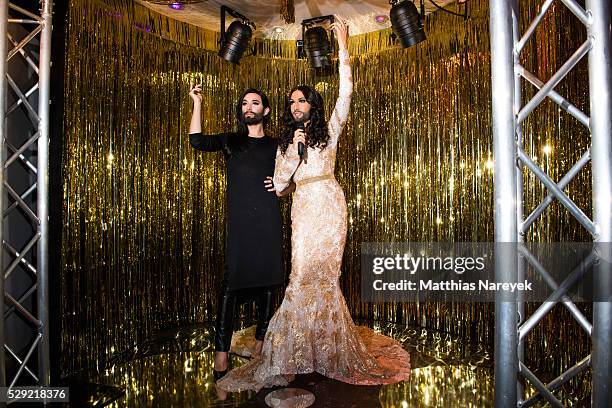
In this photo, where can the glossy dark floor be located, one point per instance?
(175, 370)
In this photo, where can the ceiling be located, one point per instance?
(266, 14)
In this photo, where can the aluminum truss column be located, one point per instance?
(520, 218)
(504, 152)
(600, 83)
(29, 149)
(3, 67)
(44, 75)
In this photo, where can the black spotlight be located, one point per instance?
(236, 39)
(317, 46)
(406, 23)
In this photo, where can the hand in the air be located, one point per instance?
(340, 27)
(196, 93)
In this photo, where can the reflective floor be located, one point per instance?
(175, 370)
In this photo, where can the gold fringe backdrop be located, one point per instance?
(143, 235)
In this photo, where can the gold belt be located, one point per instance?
(313, 179)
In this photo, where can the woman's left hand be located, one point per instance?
(269, 184)
(340, 27)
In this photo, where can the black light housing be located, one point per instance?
(317, 46)
(407, 24)
(236, 39)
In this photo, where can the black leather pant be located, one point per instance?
(226, 309)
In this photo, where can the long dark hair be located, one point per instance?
(242, 126)
(317, 127)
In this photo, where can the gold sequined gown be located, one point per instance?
(312, 331)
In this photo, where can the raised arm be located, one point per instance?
(340, 113)
(208, 143)
(195, 92)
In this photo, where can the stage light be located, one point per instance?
(176, 5)
(236, 39)
(317, 46)
(235, 42)
(406, 23)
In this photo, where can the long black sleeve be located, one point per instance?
(208, 143)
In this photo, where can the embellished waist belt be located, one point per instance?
(314, 179)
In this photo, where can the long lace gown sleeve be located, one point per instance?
(285, 166)
(341, 111)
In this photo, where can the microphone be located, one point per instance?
(300, 125)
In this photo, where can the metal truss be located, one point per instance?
(511, 327)
(25, 147)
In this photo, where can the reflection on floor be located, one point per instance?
(175, 370)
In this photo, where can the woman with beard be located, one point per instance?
(312, 330)
(253, 255)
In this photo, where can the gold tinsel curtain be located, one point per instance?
(143, 236)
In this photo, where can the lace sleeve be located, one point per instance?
(285, 166)
(345, 91)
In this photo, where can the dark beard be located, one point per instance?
(305, 117)
(256, 119)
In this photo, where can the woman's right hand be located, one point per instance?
(196, 93)
(299, 136)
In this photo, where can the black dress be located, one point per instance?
(253, 252)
